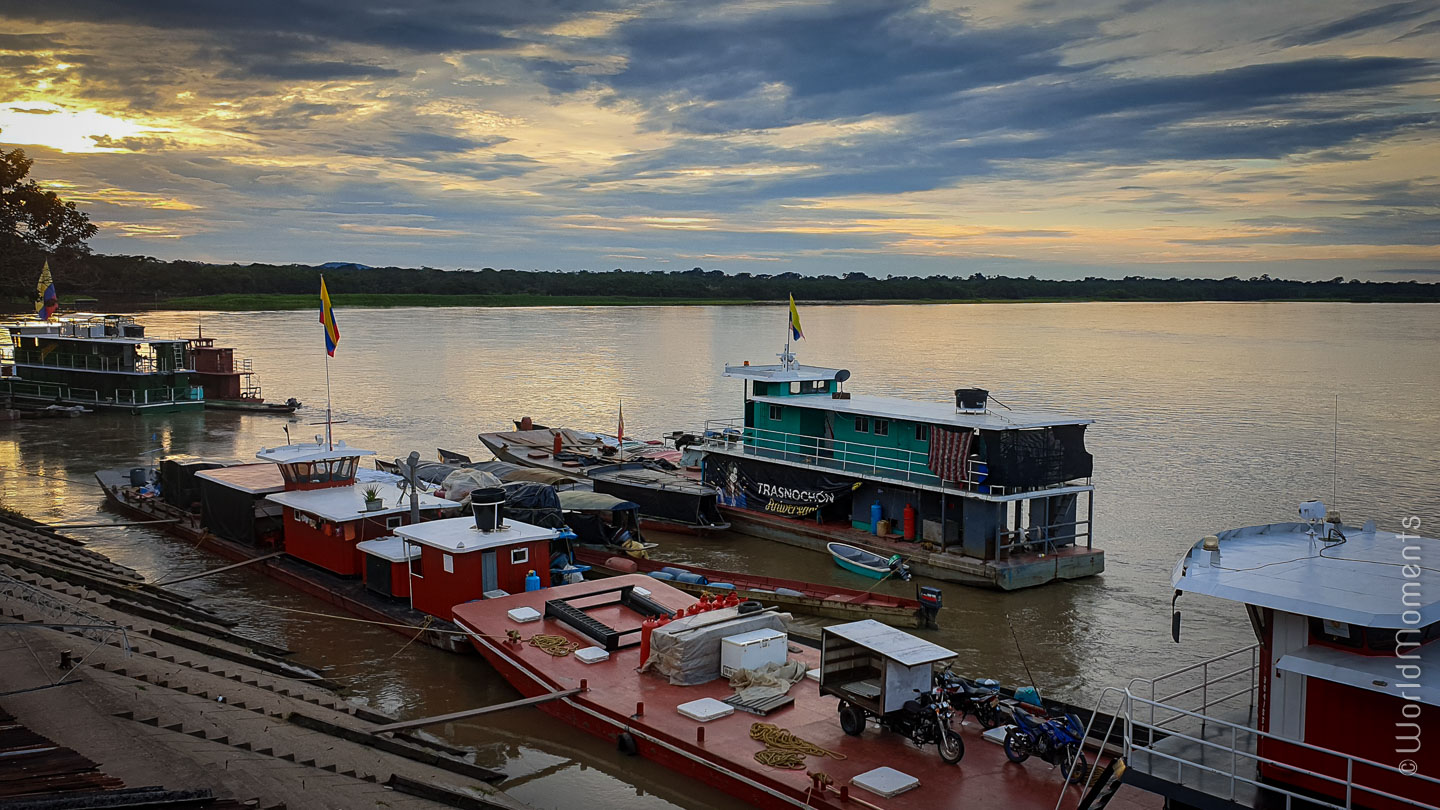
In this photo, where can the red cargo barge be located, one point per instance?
(629, 708)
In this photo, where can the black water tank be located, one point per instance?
(486, 504)
(971, 399)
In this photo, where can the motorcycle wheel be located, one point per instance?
(852, 720)
(1074, 757)
(1017, 746)
(987, 717)
(952, 748)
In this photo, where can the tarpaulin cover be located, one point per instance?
(536, 504)
(1036, 458)
(778, 489)
(230, 513)
(458, 485)
(949, 453)
(772, 680)
(687, 651)
(582, 500)
(178, 485)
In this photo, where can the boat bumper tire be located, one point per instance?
(626, 744)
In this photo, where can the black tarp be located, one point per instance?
(779, 489)
(227, 512)
(533, 503)
(178, 484)
(1020, 459)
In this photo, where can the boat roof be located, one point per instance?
(897, 645)
(585, 500)
(780, 373)
(341, 504)
(1376, 673)
(1363, 580)
(936, 413)
(255, 479)
(318, 451)
(460, 534)
(390, 549)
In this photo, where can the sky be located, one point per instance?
(1056, 139)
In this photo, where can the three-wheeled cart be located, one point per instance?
(884, 673)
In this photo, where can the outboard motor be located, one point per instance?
(930, 604)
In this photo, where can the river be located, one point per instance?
(1207, 416)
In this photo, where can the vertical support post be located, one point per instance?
(1090, 520)
(943, 538)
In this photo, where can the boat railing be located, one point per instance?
(888, 463)
(1045, 539)
(1187, 727)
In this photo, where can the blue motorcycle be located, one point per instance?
(1055, 739)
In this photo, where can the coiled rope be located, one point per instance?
(558, 646)
(785, 750)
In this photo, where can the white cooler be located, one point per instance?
(752, 650)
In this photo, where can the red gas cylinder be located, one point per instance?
(663, 620)
(559, 444)
(646, 628)
(732, 599)
(526, 423)
(909, 522)
(681, 613)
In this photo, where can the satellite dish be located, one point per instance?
(842, 375)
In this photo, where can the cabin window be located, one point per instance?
(808, 387)
(795, 387)
(519, 556)
(775, 411)
(417, 563)
(448, 562)
(922, 433)
(882, 427)
(1339, 633)
(393, 522)
(862, 424)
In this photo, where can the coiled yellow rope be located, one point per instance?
(558, 646)
(785, 750)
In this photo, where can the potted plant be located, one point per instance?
(373, 502)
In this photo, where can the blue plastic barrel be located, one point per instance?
(689, 578)
(875, 516)
(532, 581)
(662, 575)
(727, 586)
(673, 571)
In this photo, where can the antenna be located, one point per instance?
(1335, 459)
(1022, 654)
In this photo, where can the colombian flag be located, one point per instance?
(327, 317)
(49, 301)
(795, 331)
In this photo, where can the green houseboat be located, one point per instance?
(965, 493)
(100, 361)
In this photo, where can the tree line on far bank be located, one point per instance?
(141, 279)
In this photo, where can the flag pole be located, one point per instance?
(329, 421)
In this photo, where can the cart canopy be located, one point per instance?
(896, 645)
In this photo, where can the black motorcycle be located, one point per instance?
(983, 702)
(925, 719)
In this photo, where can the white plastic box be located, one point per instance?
(752, 650)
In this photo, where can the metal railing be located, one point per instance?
(890, 463)
(1156, 728)
(142, 364)
(122, 396)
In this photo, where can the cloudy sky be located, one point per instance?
(1051, 138)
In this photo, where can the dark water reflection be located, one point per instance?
(1208, 416)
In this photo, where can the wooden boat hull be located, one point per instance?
(249, 407)
(840, 603)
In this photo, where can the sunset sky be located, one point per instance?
(1059, 139)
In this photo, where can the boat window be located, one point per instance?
(1389, 641)
(882, 427)
(795, 387)
(922, 433)
(392, 522)
(519, 556)
(775, 412)
(862, 424)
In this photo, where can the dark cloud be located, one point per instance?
(1358, 23)
(31, 42)
(314, 71)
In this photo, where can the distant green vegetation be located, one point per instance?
(144, 282)
(233, 303)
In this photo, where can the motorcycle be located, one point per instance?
(925, 720)
(971, 699)
(1055, 739)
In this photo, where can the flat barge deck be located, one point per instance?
(623, 706)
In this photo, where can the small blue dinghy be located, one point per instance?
(867, 563)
